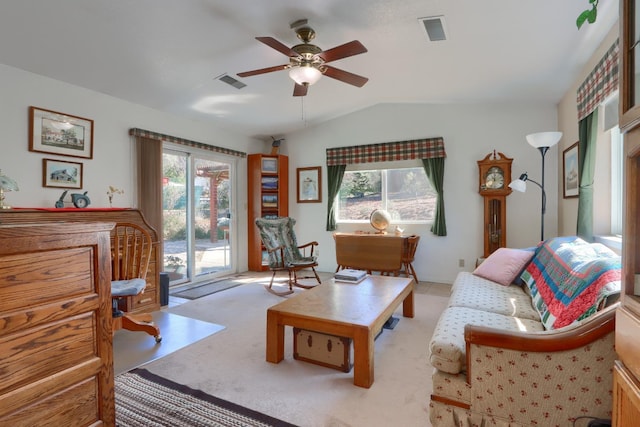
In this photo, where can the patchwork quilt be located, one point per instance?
(570, 279)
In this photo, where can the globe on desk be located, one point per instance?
(380, 220)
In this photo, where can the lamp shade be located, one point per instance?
(544, 139)
(518, 185)
(305, 74)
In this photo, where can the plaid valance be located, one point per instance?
(601, 82)
(387, 151)
(182, 141)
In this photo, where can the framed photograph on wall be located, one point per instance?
(58, 133)
(61, 174)
(309, 184)
(570, 172)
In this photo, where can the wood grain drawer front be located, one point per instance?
(627, 343)
(626, 397)
(56, 275)
(81, 400)
(144, 300)
(39, 352)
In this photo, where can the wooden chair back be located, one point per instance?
(130, 251)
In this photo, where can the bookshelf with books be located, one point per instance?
(268, 193)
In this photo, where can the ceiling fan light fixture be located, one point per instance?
(305, 74)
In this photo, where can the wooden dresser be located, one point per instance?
(146, 302)
(56, 356)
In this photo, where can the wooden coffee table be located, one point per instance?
(356, 311)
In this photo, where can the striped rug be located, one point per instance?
(144, 399)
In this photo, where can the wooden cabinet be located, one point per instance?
(627, 370)
(268, 192)
(145, 302)
(56, 357)
(629, 57)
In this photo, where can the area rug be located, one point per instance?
(208, 289)
(144, 399)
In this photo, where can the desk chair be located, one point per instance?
(130, 255)
(284, 254)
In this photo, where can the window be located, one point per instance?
(617, 180)
(197, 202)
(405, 193)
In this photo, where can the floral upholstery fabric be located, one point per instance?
(475, 292)
(443, 415)
(451, 386)
(514, 388)
(448, 346)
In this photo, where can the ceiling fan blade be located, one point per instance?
(275, 44)
(345, 76)
(263, 70)
(343, 51)
(300, 90)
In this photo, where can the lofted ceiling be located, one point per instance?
(167, 54)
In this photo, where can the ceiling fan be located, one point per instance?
(307, 62)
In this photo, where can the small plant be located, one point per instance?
(113, 190)
(173, 262)
(588, 15)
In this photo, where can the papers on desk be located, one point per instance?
(350, 276)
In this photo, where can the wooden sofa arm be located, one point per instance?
(597, 326)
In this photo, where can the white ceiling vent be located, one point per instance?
(231, 81)
(434, 27)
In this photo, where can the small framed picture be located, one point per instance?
(269, 165)
(570, 172)
(309, 184)
(61, 174)
(58, 133)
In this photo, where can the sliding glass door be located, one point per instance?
(197, 207)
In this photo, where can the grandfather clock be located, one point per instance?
(494, 178)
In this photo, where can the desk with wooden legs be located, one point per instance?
(355, 311)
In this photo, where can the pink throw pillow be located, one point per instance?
(504, 265)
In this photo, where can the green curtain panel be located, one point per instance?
(335, 174)
(587, 131)
(434, 168)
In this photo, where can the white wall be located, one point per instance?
(113, 161)
(470, 132)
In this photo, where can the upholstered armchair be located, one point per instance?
(285, 254)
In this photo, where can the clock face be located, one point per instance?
(494, 179)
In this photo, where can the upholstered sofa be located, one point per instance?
(528, 338)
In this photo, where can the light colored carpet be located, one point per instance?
(231, 365)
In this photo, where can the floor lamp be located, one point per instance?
(542, 141)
